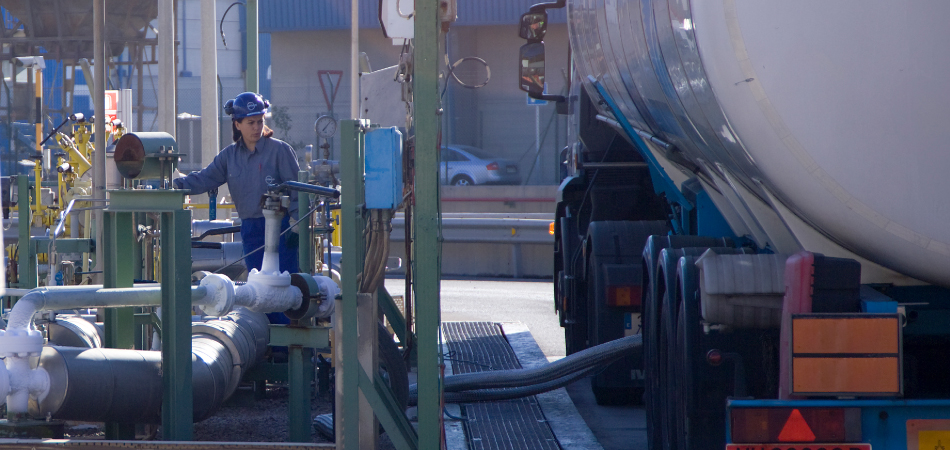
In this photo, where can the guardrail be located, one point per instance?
(490, 244)
(494, 228)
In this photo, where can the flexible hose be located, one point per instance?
(487, 395)
(582, 360)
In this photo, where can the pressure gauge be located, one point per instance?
(325, 126)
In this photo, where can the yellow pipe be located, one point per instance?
(78, 161)
(205, 205)
(38, 169)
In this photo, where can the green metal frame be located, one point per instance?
(356, 380)
(299, 371)
(122, 263)
(351, 224)
(305, 260)
(26, 260)
(178, 397)
(117, 229)
(427, 111)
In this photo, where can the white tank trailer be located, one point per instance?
(719, 146)
(813, 125)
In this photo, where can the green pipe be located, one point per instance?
(427, 111)
(304, 250)
(26, 259)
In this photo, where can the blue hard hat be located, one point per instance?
(245, 105)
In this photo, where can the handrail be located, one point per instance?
(51, 248)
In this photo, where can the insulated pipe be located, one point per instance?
(19, 342)
(125, 386)
(21, 316)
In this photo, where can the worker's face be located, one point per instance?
(251, 128)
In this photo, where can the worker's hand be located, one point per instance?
(176, 175)
(293, 240)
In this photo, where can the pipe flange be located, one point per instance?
(22, 343)
(4, 382)
(220, 292)
(269, 279)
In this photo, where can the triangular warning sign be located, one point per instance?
(796, 429)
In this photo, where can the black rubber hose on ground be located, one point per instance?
(488, 395)
(592, 357)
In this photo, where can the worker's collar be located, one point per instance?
(242, 146)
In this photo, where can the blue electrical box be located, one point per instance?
(383, 168)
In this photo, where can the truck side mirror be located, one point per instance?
(533, 26)
(531, 71)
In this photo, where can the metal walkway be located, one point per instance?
(503, 425)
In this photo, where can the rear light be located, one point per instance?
(551, 228)
(714, 357)
(624, 296)
(762, 425)
(492, 166)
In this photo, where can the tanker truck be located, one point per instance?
(759, 188)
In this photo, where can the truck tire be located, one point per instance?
(611, 396)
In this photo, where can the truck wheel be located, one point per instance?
(617, 396)
(575, 338)
(650, 369)
(697, 414)
(665, 365)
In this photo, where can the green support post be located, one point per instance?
(355, 380)
(304, 250)
(26, 260)
(427, 110)
(178, 399)
(352, 224)
(118, 273)
(298, 405)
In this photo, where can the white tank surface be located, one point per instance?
(834, 114)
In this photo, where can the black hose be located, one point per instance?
(218, 231)
(488, 395)
(582, 360)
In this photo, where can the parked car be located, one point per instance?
(464, 165)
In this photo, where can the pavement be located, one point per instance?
(525, 310)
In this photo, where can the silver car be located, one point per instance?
(463, 165)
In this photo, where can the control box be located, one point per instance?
(383, 168)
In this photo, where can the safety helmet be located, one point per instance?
(245, 105)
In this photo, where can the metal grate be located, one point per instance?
(510, 425)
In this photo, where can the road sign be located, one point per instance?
(112, 105)
(535, 102)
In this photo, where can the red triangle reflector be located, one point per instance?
(796, 429)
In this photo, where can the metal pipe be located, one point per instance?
(354, 59)
(209, 89)
(71, 297)
(99, 80)
(272, 219)
(167, 72)
(131, 392)
(253, 56)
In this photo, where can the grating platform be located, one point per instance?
(503, 425)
